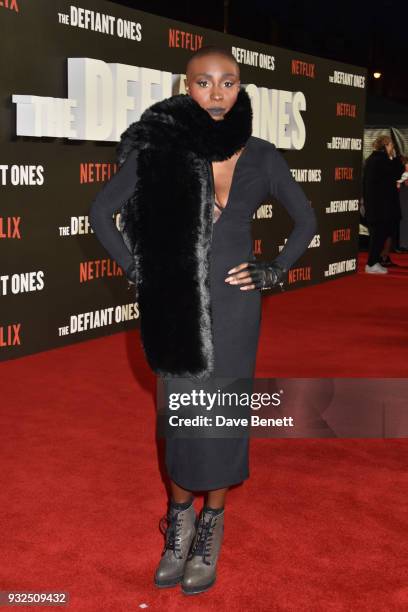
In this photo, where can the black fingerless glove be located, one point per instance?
(266, 275)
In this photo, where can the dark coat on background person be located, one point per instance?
(380, 192)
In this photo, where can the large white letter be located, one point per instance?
(90, 84)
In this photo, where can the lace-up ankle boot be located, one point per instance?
(200, 569)
(179, 534)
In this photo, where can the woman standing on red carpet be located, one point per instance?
(191, 177)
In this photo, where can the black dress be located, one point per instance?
(260, 172)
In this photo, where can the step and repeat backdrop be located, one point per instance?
(74, 75)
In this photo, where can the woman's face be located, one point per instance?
(213, 82)
(389, 147)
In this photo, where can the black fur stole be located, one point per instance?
(167, 225)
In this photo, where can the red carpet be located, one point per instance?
(320, 525)
(354, 326)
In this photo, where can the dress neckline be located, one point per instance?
(234, 172)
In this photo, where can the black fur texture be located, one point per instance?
(167, 225)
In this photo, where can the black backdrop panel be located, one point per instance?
(57, 283)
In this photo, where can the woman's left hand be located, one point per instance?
(255, 275)
(240, 275)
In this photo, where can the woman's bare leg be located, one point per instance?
(179, 495)
(216, 498)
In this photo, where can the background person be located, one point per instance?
(403, 191)
(381, 202)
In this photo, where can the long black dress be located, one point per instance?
(260, 172)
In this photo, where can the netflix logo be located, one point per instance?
(299, 274)
(340, 235)
(185, 40)
(306, 69)
(10, 335)
(99, 268)
(96, 172)
(343, 109)
(257, 250)
(343, 174)
(10, 227)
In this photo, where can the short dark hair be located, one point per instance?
(212, 50)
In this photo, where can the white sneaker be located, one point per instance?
(376, 269)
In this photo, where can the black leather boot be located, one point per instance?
(200, 569)
(179, 535)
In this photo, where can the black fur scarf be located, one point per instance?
(167, 225)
